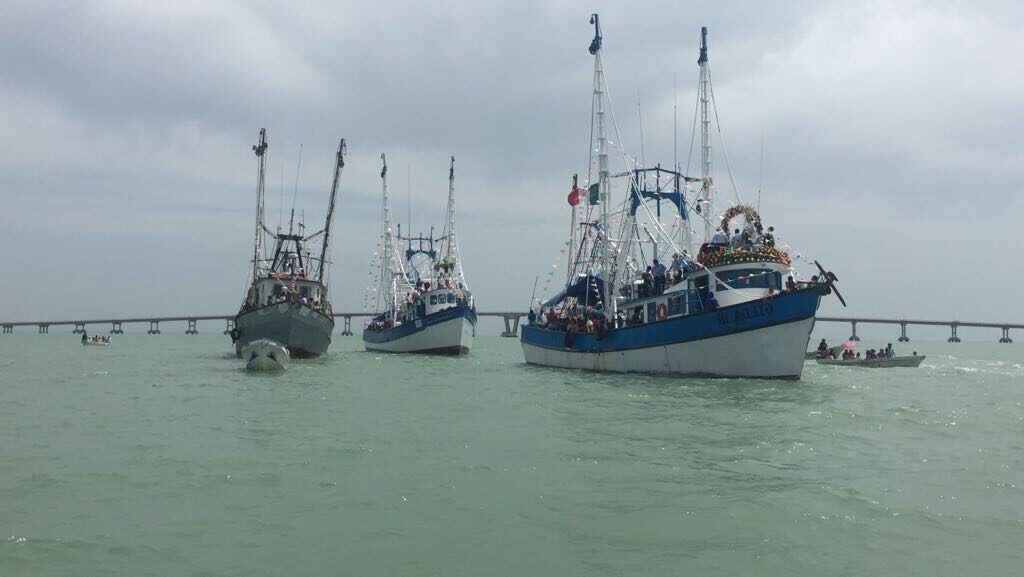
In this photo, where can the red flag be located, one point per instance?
(574, 196)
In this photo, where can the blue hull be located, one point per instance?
(760, 338)
(446, 332)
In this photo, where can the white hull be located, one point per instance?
(265, 355)
(770, 352)
(454, 336)
(908, 361)
(94, 343)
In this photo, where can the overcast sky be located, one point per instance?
(891, 136)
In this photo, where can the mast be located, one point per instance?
(602, 163)
(325, 250)
(260, 149)
(450, 225)
(705, 131)
(386, 276)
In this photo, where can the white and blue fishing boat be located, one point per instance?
(288, 300)
(723, 313)
(423, 302)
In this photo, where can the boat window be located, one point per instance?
(304, 291)
(433, 299)
(451, 298)
(746, 278)
(693, 298)
(676, 305)
(652, 312)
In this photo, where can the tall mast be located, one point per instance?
(325, 250)
(260, 149)
(602, 162)
(386, 275)
(705, 131)
(449, 239)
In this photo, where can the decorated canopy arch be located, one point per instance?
(749, 214)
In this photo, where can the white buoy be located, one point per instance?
(265, 355)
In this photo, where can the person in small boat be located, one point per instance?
(847, 355)
(889, 352)
(858, 356)
(85, 337)
(871, 354)
(822, 348)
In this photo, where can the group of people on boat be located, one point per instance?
(94, 339)
(826, 352)
(656, 278)
(290, 296)
(747, 238)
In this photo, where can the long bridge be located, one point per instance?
(512, 321)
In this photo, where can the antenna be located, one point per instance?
(295, 194)
(760, 172)
(640, 118)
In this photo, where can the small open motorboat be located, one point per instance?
(100, 342)
(265, 355)
(879, 363)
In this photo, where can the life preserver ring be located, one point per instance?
(661, 311)
(235, 334)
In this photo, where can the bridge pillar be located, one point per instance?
(953, 338)
(511, 326)
(8, 329)
(347, 330)
(191, 330)
(903, 334)
(1006, 336)
(230, 325)
(853, 328)
(79, 329)
(154, 328)
(44, 329)
(115, 328)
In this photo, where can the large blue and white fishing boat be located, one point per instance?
(423, 302)
(723, 312)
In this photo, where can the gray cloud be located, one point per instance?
(889, 132)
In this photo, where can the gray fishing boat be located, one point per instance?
(287, 299)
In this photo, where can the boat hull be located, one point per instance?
(888, 362)
(756, 339)
(304, 332)
(265, 355)
(447, 332)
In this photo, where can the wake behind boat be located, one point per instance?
(725, 313)
(423, 302)
(288, 300)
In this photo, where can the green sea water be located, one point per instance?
(160, 455)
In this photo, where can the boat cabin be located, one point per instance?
(271, 290)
